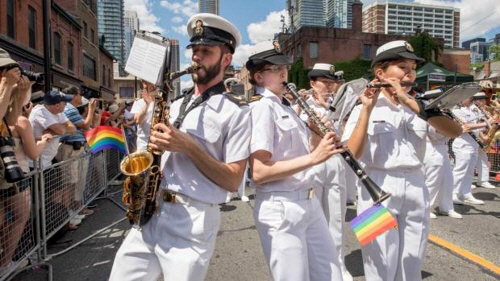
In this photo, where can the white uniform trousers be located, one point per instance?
(295, 237)
(178, 241)
(330, 185)
(483, 171)
(398, 254)
(439, 181)
(463, 172)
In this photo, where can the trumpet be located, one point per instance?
(376, 193)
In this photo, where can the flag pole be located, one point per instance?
(125, 139)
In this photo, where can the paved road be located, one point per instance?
(238, 255)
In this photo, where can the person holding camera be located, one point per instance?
(72, 146)
(143, 114)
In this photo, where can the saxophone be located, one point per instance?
(492, 132)
(143, 167)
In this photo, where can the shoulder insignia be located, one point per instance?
(239, 100)
(255, 98)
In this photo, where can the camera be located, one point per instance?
(37, 77)
(13, 172)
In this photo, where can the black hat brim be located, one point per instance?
(204, 41)
(317, 73)
(278, 59)
(397, 55)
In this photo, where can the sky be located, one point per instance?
(259, 20)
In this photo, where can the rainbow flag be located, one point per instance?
(105, 137)
(371, 223)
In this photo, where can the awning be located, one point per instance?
(61, 80)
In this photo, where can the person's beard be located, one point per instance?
(210, 73)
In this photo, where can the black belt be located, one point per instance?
(75, 144)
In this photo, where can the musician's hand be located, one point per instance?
(168, 138)
(466, 128)
(400, 92)
(369, 96)
(328, 146)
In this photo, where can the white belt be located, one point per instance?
(286, 195)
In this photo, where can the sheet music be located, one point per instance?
(146, 60)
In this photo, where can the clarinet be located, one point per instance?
(376, 193)
(461, 122)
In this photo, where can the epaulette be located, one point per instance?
(255, 98)
(239, 100)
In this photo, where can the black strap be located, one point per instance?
(215, 90)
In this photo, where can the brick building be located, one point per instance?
(85, 13)
(456, 58)
(330, 45)
(21, 32)
(106, 69)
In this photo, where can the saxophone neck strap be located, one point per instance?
(215, 90)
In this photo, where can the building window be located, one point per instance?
(367, 51)
(103, 75)
(313, 50)
(92, 35)
(32, 27)
(70, 56)
(109, 77)
(89, 67)
(57, 48)
(85, 31)
(127, 92)
(10, 18)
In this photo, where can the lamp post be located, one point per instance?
(46, 44)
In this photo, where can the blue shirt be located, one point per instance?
(74, 116)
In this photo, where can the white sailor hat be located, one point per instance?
(230, 81)
(210, 29)
(479, 96)
(393, 50)
(324, 70)
(267, 52)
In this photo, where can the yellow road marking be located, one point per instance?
(465, 254)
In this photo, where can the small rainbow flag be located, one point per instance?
(371, 223)
(105, 137)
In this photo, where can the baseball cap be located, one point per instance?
(55, 97)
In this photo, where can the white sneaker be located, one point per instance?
(245, 198)
(229, 197)
(75, 221)
(473, 186)
(433, 216)
(456, 200)
(473, 201)
(453, 214)
(487, 185)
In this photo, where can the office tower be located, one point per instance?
(111, 26)
(131, 22)
(208, 6)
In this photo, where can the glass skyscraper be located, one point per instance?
(339, 13)
(131, 26)
(208, 6)
(307, 13)
(111, 25)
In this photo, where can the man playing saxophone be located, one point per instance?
(207, 149)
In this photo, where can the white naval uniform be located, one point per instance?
(179, 239)
(330, 188)
(465, 150)
(291, 226)
(438, 170)
(483, 170)
(393, 155)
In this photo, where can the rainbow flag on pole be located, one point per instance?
(105, 137)
(371, 223)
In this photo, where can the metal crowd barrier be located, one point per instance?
(52, 197)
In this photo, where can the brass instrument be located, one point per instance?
(492, 131)
(143, 167)
(462, 122)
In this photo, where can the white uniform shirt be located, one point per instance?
(437, 147)
(315, 106)
(41, 118)
(465, 142)
(144, 127)
(276, 128)
(396, 136)
(222, 129)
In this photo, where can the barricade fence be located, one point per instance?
(38, 209)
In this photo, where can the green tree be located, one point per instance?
(426, 47)
(495, 50)
(355, 68)
(298, 75)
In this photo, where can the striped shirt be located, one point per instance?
(74, 116)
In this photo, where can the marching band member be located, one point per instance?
(387, 135)
(208, 151)
(142, 110)
(292, 229)
(466, 151)
(329, 180)
(438, 170)
(483, 170)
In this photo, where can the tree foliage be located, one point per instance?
(495, 51)
(355, 68)
(426, 47)
(298, 75)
